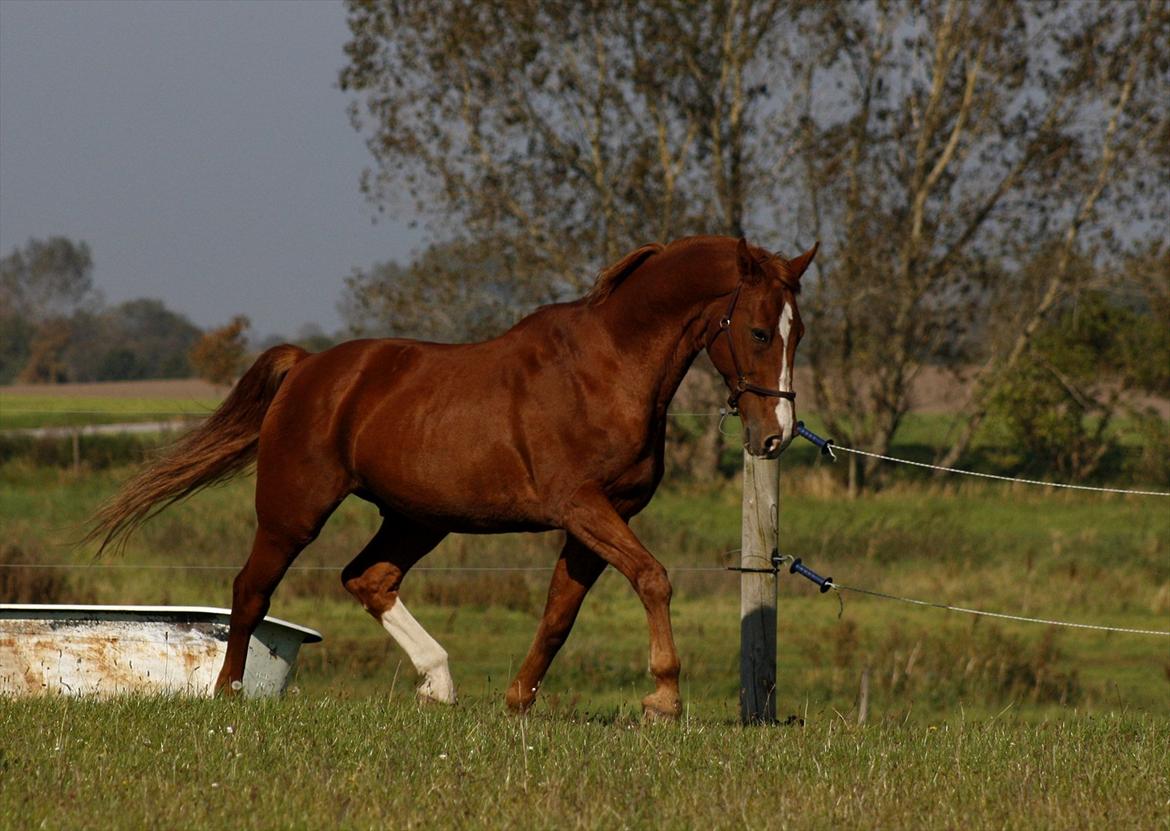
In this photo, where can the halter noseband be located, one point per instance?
(742, 384)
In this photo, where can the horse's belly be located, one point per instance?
(476, 494)
(482, 515)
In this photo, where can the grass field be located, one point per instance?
(972, 722)
(309, 762)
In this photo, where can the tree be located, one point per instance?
(1103, 355)
(16, 335)
(158, 338)
(313, 338)
(310, 336)
(46, 353)
(965, 132)
(454, 292)
(47, 278)
(1121, 162)
(1147, 346)
(219, 355)
(134, 340)
(53, 327)
(934, 146)
(630, 125)
(1057, 407)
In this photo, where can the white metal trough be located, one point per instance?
(108, 650)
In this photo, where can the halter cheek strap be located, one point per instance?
(742, 385)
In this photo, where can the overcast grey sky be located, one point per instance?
(201, 148)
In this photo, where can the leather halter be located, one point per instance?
(742, 384)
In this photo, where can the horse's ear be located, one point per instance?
(750, 270)
(798, 265)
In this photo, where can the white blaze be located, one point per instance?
(785, 409)
(429, 659)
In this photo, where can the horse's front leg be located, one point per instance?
(576, 571)
(592, 519)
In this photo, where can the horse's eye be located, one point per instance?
(760, 335)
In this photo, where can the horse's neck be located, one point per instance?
(664, 316)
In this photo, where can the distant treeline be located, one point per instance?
(55, 327)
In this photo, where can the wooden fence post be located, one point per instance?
(757, 605)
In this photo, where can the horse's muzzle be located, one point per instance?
(770, 448)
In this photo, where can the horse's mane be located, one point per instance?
(610, 278)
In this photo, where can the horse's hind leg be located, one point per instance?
(374, 578)
(272, 554)
(289, 517)
(576, 571)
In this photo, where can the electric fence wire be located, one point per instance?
(1130, 491)
(1022, 618)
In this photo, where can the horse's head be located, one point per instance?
(761, 328)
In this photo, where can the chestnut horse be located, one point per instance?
(559, 423)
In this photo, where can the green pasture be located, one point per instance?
(971, 722)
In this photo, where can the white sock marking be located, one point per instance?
(428, 657)
(785, 409)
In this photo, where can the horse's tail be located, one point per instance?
(220, 448)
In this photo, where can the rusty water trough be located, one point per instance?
(110, 650)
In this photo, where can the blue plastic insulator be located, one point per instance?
(826, 445)
(798, 567)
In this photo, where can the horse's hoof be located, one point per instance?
(428, 695)
(432, 692)
(424, 697)
(519, 704)
(436, 687)
(519, 710)
(223, 689)
(661, 706)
